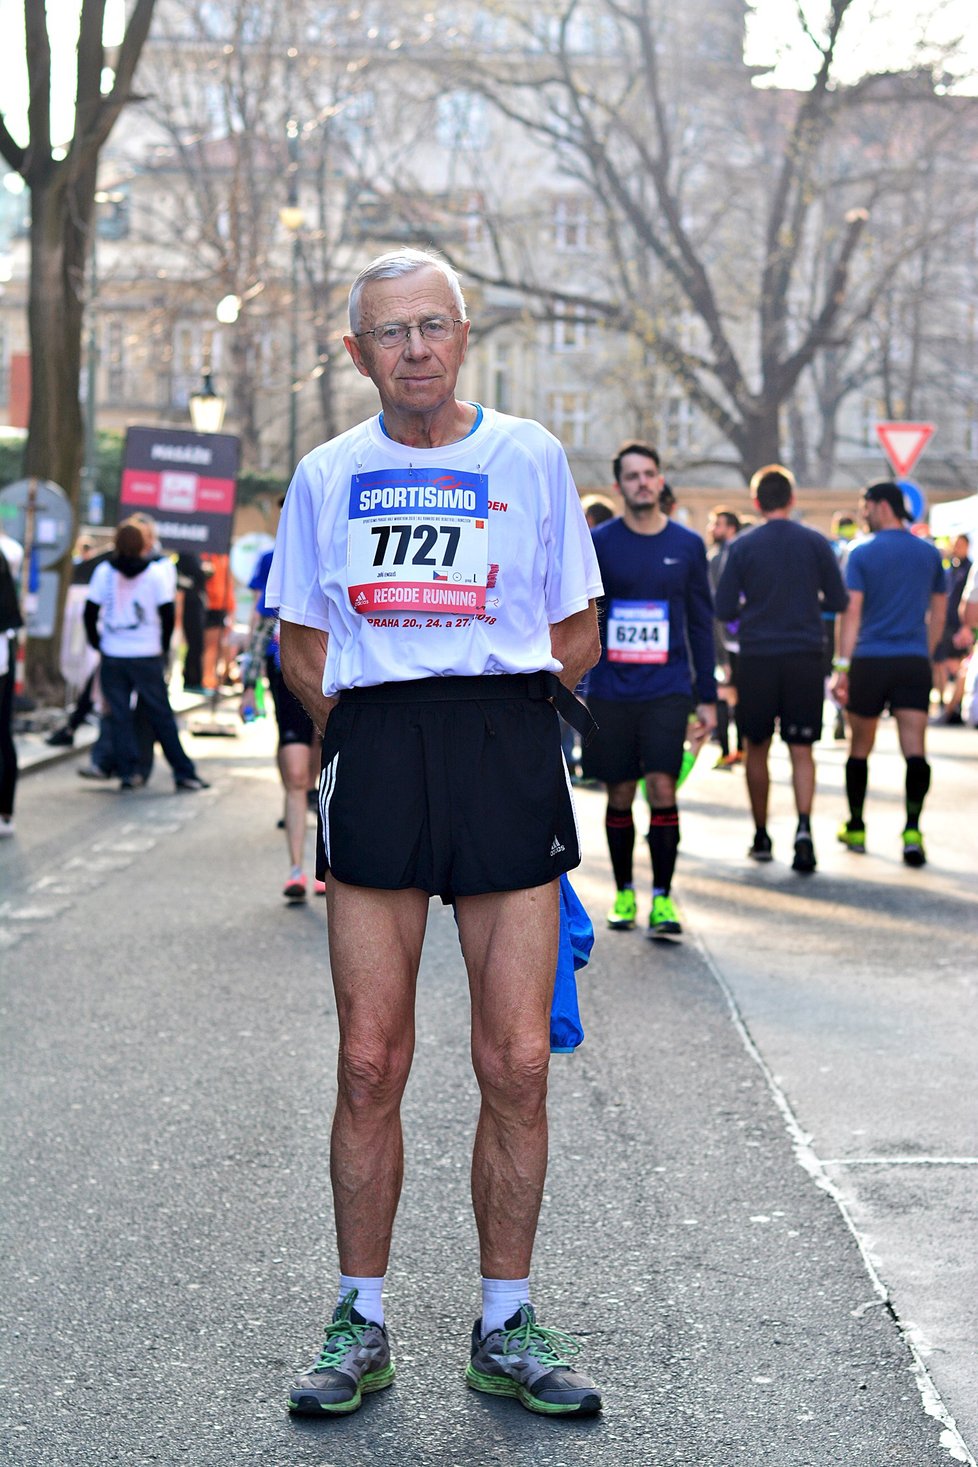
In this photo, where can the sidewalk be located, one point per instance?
(34, 752)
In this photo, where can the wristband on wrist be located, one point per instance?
(840, 664)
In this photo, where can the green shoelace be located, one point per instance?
(341, 1335)
(551, 1347)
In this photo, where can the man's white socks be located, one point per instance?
(369, 1302)
(501, 1298)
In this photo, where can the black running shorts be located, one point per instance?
(876, 683)
(453, 785)
(788, 689)
(635, 739)
(294, 723)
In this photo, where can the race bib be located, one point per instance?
(638, 631)
(418, 541)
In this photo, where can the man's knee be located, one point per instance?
(372, 1074)
(514, 1075)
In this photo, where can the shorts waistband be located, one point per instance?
(541, 686)
(453, 689)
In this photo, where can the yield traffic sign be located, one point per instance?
(903, 443)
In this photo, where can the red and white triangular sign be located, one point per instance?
(903, 443)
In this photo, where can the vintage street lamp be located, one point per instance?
(207, 407)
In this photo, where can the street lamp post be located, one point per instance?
(292, 219)
(89, 473)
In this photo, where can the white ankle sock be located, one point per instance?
(369, 1302)
(501, 1298)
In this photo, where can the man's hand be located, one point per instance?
(702, 725)
(576, 644)
(303, 651)
(839, 688)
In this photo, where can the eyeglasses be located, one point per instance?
(396, 333)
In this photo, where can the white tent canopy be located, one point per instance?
(955, 517)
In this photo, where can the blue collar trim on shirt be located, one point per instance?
(479, 415)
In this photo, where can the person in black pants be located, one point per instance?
(777, 580)
(11, 621)
(192, 586)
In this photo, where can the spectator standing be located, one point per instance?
(129, 619)
(11, 620)
(722, 527)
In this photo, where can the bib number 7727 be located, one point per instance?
(418, 540)
(394, 541)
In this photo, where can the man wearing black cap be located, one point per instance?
(886, 640)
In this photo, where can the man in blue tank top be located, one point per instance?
(886, 642)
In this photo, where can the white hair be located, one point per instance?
(392, 266)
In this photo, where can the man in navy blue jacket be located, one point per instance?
(777, 581)
(657, 600)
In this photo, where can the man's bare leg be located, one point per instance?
(293, 763)
(375, 940)
(803, 776)
(509, 940)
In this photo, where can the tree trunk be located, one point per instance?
(56, 305)
(759, 442)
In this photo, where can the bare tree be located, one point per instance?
(715, 198)
(62, 184)
(271, 125)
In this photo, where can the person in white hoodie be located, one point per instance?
(129, 618)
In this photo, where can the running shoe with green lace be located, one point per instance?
(623, 913)
(355, 1359)
(664, 919)
(853, 840)
(531, 1363)
(913, 848)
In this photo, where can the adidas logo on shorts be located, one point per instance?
(556, 848)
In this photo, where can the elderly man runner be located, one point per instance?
(436, 586)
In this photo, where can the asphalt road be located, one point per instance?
(760, 1219)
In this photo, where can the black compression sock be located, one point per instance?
(918, 783)
(620, 830)
(663, 846)
(857, 778)
(723, 727)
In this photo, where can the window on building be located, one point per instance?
(462, 121)
(570, 224)
(501, 373)
(115, 373)
(570, 418)
(677, 425)
(872, 411)
(112, 214)
(971, 433)
(474, 219)
(570, 329)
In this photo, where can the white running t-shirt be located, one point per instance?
(129, 625)
(433, 562)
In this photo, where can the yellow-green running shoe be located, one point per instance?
(853, 840)
(664, 920)
(623, 913)
(913, 848)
